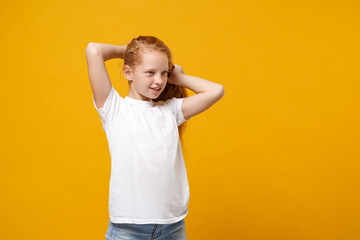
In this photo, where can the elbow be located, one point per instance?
(90, 48)
(222, 91)
(219, 92)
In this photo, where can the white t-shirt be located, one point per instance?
(148, 182)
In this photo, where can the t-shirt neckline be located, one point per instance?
(142, 103)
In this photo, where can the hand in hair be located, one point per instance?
(175, 74)
(207, 92)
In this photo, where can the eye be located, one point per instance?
(164, 73)
(150, 72)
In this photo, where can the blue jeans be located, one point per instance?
(125, 231)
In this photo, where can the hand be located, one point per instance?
(175, 75)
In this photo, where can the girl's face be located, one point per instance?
(149, 78)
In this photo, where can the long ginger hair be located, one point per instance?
(133, 57)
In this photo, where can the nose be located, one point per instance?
(159, 80)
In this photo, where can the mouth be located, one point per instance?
(156, 90)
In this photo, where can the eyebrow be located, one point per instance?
(153, 69)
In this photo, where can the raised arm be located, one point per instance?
(96, 55)
(207, 93)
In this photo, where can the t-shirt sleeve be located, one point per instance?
(175, 107)
(111, 107)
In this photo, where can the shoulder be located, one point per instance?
(174, 105)
(112, 98)
(172, 102)
(111, 108)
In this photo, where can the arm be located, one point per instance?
(207, 93)
(96, 55)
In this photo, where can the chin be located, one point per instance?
(159, 98)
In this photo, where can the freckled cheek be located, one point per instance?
(148, 80)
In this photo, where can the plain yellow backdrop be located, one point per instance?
(277, 158)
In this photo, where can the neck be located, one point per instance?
(137, 96)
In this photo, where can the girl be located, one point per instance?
(149, 192)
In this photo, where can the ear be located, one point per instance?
(127, 72)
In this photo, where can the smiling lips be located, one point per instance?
(156, 90)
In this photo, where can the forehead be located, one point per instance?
(154, 59)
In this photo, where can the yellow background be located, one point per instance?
(276, 158)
